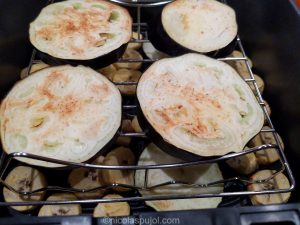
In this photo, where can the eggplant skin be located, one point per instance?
(80, 30)
(68, 113)
(202, 26)
(199, 105)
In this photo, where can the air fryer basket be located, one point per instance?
(235, 192)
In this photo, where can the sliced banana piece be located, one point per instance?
(25, 179)
(240, 65)
(260, 84)
(135, 45)
(61, 210)
(83, 178)
(245, 164)
(130, 54)
(135, 125)
(280, 181)
(120, 156)
(112, 209)
(126, 128)
(35, 67)
(123, 75)
(268, 110)
(108, 71)
(268, 156)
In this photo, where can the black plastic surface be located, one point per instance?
(288, 214)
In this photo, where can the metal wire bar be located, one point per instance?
(139, 167)
(143, 188)
(141, 3)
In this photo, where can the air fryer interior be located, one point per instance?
(269, 30)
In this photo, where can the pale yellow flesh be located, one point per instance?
(280, 181)
(23, 178)
(84, 179)
(135, 45)
(108, 71)
(61, 210)
(245, 164)
(124, 75)
(112, 209)
(80, 29)
(202, 174)
(135, 125)
(130, 54)
(63, 112)
(199, 104)
(120, 156)
(34, 68)
(268, 156)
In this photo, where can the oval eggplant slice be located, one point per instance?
(202, 26)
(199, 105)
(63, 112)
(75, 31)
(186, 26)
(201, 174)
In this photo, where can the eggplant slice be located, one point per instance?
(200, 174)
(64, 112)
(186, 26)
(199, 105)
(81, 32)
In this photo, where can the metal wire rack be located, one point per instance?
(140, 27)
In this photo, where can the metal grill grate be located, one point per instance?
(141, 28)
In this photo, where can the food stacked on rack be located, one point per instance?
(195, 111)
(74, 32)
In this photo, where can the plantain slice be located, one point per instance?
(25, 179)
(135, 125)
(108, 71)
(269, 111)
(123, 75)
(260, 84)
(268, 156)
(61, 210)
(120, 156)
(35, 67)
(280, 181)
(83, 178)
(245, 164)
(135, 45)
(130, 54)
(240, 65)
(112, 209)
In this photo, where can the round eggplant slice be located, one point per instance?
(199, 105)
(185, 26)
(92, 33)
(64, 112)
(200, 174)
